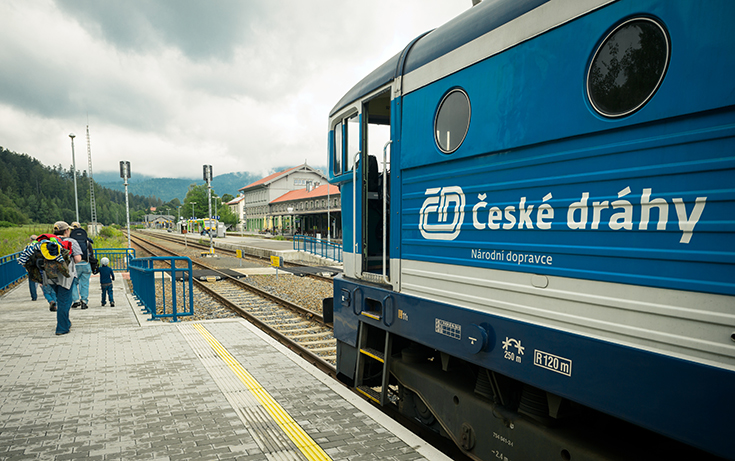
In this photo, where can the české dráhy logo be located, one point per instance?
(442, 213)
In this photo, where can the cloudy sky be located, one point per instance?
(170, 85)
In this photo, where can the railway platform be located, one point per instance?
(122, 387)
(254, 245)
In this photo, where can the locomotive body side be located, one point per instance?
(555, 247)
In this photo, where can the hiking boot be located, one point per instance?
(52, 307)
(103, 304)
(76, 304)
(84, 305)
(112, 304)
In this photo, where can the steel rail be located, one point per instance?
(294, 346)
(171, 238)
(311, 315)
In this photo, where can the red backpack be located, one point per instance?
(64, 243)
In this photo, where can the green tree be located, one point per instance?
(196, 202)
(197, 196)
(32, 192)
(227, 216)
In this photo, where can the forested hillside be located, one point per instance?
(31, 192)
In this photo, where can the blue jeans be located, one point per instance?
(63, 306)
(80, 287)
(48, 293)
(32, 288)
(107, 290)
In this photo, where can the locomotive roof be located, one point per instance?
(473, 23)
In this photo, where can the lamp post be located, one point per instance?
(217, 204)
(207, 170)
(125, 174)
(188, 227)
(74, 172)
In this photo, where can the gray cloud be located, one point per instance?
(246, 85)
(201, 30)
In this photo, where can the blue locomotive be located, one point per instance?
(538, 204)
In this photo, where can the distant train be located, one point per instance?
(538, 204)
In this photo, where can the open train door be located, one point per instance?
(360, 163)
(375, 183)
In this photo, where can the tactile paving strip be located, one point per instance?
(273, 429)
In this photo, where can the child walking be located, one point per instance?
(106, 278)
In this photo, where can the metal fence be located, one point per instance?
(318, 247)
(118, 257)
(11, 273)
(164, 296)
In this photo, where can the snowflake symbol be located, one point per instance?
(513, 342)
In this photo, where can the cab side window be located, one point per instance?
(338, 151)
(346, 144)
(352, 130)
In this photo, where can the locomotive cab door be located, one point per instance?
(360, 162)
(375, 184)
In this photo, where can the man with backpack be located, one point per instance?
(61, 283)
(80, 287)
(51, 260)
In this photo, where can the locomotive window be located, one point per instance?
(452, 121)
(628, 67)
(353, 141)
(338, 150)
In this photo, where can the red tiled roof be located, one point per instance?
(300, 194)
(268, 178)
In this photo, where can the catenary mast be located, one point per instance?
(92, 202)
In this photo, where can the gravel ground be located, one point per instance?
(304, 291)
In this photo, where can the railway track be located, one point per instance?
(193, 242)
(301, 329)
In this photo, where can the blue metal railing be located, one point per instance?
(318, 247)
(165, 297)
(119, 257)
(10, 271)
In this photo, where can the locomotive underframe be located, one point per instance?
(454, 399)
(485, 410)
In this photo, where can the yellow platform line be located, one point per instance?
(296, 433)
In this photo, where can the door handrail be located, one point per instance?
(385, 211)
(354, 212)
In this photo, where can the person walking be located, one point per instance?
(61, 284)
(80, 287)
(107, 275)
(29, 259)
(32, 285)
(50, 296)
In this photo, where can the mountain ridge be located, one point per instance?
(167, 189)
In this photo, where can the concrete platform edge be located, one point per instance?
(411, 439)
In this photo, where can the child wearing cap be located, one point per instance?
(106, 278)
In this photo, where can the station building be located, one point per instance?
(293, 201)
(309, 211)
(237, 206)
(159, 221)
